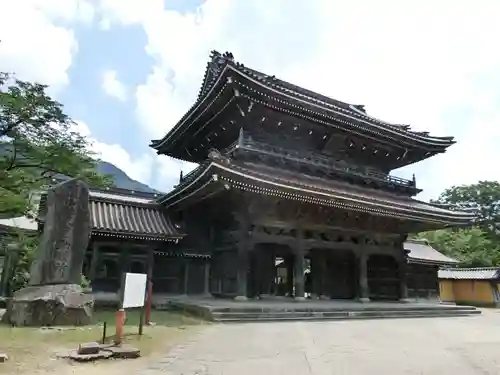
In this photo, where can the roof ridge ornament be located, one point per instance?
(215, 155)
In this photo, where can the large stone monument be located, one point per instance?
(54, 295)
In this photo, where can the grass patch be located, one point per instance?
(32, 350)
(159, 317)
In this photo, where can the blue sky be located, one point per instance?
(126, 70)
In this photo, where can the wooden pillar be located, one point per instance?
(299, 267)
(243, 250)
(254, 279)
(289, 260)
(124, 260)
(325, 293)
(403, 277)
(270, 273)
(206, 285)
(123, 264)
(150, 263)
(364, 289)
(185, 287)
(94, 262)
(207, 280)
(316, 274)
(266, 273)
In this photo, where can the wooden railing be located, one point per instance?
(318, 160)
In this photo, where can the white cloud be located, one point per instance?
(415, 62)
(112, 86)
(64, 10)
(33, 45)
(38, 43)
(139, 168)
(161, 171)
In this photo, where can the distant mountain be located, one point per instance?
(121, 180)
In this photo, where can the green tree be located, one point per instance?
(26, 245)
(472, 247)
(37, 143)
(483, 197)
(25, 248)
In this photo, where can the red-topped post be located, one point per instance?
(149, 302)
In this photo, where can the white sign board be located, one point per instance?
(134, 290)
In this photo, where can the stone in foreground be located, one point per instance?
(60, 255)
(51, 305)
(89, 348)
(54, 296)
(124, 351)
(90, 357)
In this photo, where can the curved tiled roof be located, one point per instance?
(271, 181)
(128, 216)
(421, 252)
(327, 108)
(131, 220)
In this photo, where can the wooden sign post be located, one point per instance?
(133, 295)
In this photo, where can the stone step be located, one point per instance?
(292, 316)
(367, 308)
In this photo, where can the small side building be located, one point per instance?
(423, 266)
(471, 286)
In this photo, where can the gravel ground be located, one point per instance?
(437, 346)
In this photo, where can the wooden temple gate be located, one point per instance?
(293, 267)
(288, 175)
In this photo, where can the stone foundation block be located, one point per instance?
(50, 305)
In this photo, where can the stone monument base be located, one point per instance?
(50, 305)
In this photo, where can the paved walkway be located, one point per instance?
(438, 346)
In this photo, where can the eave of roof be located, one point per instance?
(282, 88)
(479, 273)
(311, 191)
(421, 252)
(132, 220)
(349, 115)
(19, 223)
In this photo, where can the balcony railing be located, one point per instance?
(318, 160)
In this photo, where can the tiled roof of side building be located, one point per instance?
(480, 273)
(129, 216)
(131, 220)
(120, 197)
(21, 222)
(421, 252)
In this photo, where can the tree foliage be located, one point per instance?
(484, 197)
(472, 247)
(26, 246)
(479, 245)
(37, 143)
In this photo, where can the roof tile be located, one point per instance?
(421, 251)
(486, 273)
(130, 219)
